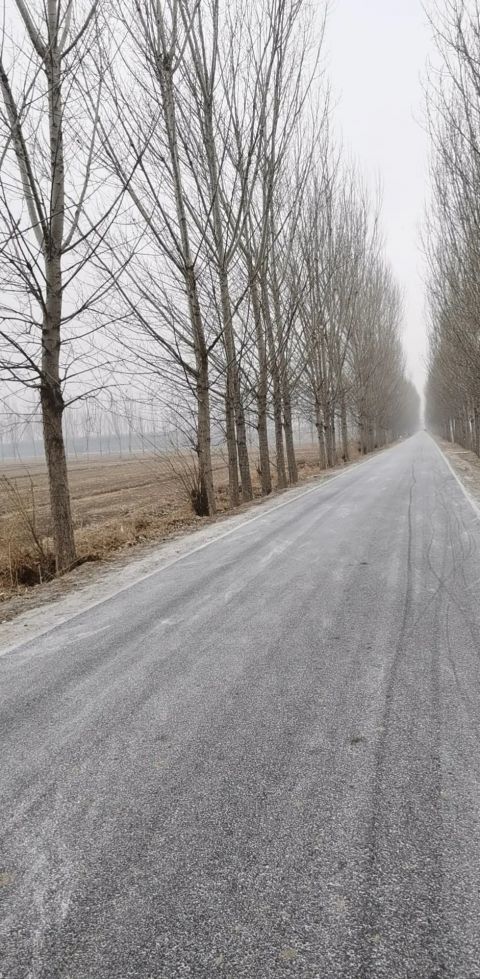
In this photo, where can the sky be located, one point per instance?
(377, 52)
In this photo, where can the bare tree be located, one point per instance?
(453, 225)
(144, 149)
(51, 234)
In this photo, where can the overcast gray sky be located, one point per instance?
(377, 53)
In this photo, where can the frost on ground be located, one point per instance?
(118, 504)
(43, 607)
(465, 464)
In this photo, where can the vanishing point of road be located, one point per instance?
(262, 760)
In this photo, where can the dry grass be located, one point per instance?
(117, 503)
(466, 465)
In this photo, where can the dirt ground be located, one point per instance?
(118, 503)
(465, 464)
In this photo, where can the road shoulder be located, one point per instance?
(48, 605)
(52, 603)
(465, 466)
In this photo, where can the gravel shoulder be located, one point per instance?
(466, 466)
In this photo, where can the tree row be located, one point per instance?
(177, 225)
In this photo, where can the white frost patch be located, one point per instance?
(41, 619)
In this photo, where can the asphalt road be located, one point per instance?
(264, 759)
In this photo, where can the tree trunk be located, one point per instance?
(329, 436)
(242, 444)
(344, 426)
(262, 387)
(362, 435)
(51, 397)
(203, 433)
(277, 391)
(235, 416)
(233, 487)
(319, 425)
(238, 437)
(188, 270)
(228, 339)
(202, 391)
(52, 412)
(281, 366)
(288, 425)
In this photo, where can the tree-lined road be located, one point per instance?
(263, 760)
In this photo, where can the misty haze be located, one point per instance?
(239, 489)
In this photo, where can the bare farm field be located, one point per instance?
(118, 502)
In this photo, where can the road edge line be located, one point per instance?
(473, 503)
(325, 481)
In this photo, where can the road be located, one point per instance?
(263, 760)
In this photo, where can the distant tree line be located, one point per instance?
(176, 223)
(453, 239)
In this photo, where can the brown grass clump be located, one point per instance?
(21, 565)
(26, 557)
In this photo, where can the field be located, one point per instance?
(117, 503)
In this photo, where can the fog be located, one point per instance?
(377, 56)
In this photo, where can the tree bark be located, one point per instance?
(281, 364)
(203, 397)
(238, 435)
(288, 426)
(319, 425)
(362, 434)
(276, 386)
(262, 386)
(51, 397)
(329, 436)
(233, 486)
(344, 426)
(52, 407)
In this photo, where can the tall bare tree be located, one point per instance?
(453, 224)
(52, 223)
